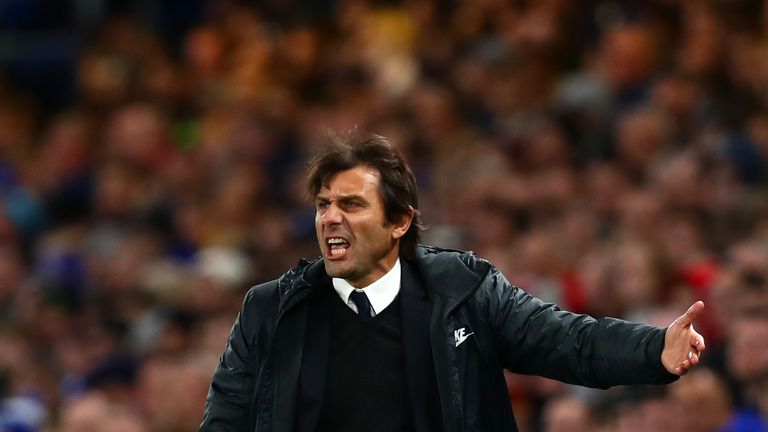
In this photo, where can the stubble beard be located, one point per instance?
(341, 271)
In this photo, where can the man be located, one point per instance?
(383, 334)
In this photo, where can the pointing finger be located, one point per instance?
(692, 313)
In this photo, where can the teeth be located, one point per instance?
(336, 241)
(337, 251)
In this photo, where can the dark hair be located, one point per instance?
(397, 185)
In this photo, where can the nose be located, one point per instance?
(331, 215)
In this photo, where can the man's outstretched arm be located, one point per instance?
(538, 338)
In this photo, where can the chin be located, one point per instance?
(334, 270)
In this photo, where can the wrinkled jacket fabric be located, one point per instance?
(254, 387)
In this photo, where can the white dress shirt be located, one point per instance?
(380, 293)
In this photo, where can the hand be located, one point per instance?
(682, 344)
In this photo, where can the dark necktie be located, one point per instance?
(361, 302)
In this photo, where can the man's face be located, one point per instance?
(357, 242)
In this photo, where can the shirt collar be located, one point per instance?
(380, 293)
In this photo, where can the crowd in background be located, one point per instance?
(607, 156)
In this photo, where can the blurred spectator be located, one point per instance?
(94, 412)
(705, 392)
(567, 414)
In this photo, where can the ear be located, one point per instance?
(400, 226)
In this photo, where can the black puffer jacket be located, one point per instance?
(255, 386)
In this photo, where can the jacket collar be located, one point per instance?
(298, 282)
(451, 273)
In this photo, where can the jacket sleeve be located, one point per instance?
(534, 337)
(231, 393)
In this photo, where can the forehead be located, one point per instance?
(360, 180)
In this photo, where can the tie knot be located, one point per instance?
(361, 303)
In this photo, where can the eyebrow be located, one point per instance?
(342, 198)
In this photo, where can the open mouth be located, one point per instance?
(337, 247)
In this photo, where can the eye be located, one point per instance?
(351, 205)
(322, 204)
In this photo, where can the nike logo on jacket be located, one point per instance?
(460, 336)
